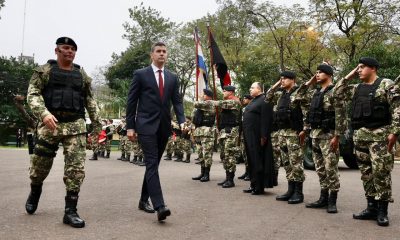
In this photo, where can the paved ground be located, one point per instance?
(109, 198)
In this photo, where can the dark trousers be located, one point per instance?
(153, 147)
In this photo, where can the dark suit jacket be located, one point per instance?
(145, 108)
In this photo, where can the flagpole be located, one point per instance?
(211, 58)
(196, 40)
(212, 69)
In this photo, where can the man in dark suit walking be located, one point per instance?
(148, 118)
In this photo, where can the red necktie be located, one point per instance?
(160, 83)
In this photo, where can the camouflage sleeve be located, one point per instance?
(90, 104)
(34, 97)
(393, 96)
(270, 96)
(342, 94)
(302, 96)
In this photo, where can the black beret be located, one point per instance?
(208, 92)
(66, 41)
(248, 96)
(288, 74)
(229, 88)
(370, 62)
(325, 69)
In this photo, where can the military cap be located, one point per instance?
(325, 68)
(208, 92)
(66, 41)
(229, 88)
(288, 74)
(248, 96)
(369, 61)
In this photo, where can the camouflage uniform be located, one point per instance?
(70, 133)
(109, 139)
(205, 136)
(170, 147)
(183, 143)
(374, 161)
(326, 161)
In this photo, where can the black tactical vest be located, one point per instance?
(317, 116)
(367, 111)
(287, 117)
(64, 91)
(229, 118)
(201, 119)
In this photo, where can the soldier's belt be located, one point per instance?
(64, 118)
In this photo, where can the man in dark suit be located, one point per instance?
(148, 118)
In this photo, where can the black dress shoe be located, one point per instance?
(163, 213)
(249, 190)
(145, 206)
(257, 192)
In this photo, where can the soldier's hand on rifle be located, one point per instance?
(352, 74)
(50, 121)
(302, 137)
(312, 81)
(334, 143)
(131, 135)
(392, 138)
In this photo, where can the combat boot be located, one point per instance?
(288, 194)
(168, 157)
(128, 158)
(370, 213)
(275, 180)
(187, 158)
(206, 176)
(332, 202)
(226, 179)
(108, 154)
(247, 177)
(94, 157)
(122, 156)
(229, 183)
(71, 216)
(33, 198)
(244, 174)
(102, 154)
(179, 158)
(134, 159)
(141, 162)
(297, 196)
(322, 201)
(201, 174)
(383, 219)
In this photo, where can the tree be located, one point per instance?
(361, 23)
(1, 4)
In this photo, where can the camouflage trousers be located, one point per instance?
(376, 165)
(277, 153)
(230, 150)
(74, 159)
(170, 148)
(137, 149)
(243, 152)
(199, 148)
(183, 146)
(206, 150)
(126, 145)
(326, 164)
(108, 145)
(292, 158)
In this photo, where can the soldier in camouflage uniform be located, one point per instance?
(183, 142)
(321, 111)
(376, 124)
(110, 132)
(229, 133)
(170, 148)
(204, 120)
(246, 176)
(58, 94)
(178, 142)
(138, 154)
(121, 130)
(289, 118)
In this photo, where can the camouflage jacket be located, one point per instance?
(386, 92)
(228, 104)
(273, 97)
(304, 96)
(208, 107)
(35, 101)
